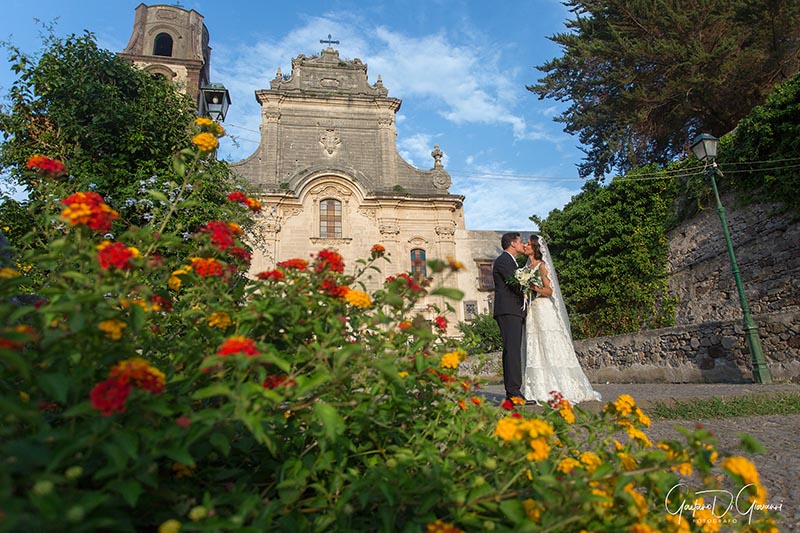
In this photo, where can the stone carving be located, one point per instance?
(330, 83)
(437, 157)
(447, 230)
(272, 116)
(331, 243)
(441, 179)
(385, 122)
(330, 190)
(389, 229)
(330, 140)
(370, 213)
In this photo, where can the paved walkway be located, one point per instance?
(650, 393)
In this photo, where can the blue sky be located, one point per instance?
(460, 67)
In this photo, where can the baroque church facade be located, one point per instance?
(327, 170)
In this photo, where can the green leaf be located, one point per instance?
(333, 424)
(158, 195)
(129, 489)
(128, 441)
(13, 359)
(180, 455)
(138, 317)
(220, 442)
(56, 385)
(453, 294)
(750, 444)
(513, 510)
(218, 389)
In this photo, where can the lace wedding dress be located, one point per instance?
(549, 362)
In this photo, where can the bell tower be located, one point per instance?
(173, 42)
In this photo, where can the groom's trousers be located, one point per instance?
(511, 332)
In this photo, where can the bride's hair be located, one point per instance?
(537, 248)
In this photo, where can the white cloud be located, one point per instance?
(493, 202)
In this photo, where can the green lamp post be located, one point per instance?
(704, 147)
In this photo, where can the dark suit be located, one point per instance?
(510, 318)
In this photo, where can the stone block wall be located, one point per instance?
(713, 352)
(708, 344)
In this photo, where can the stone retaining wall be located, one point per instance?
(714, 352)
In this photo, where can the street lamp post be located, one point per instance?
(214, 101)
(704, 147)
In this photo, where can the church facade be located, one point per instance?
(327, 170)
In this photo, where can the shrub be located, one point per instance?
(140, 393)
(481, 335)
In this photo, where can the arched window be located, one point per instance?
(330, 219)
(162, 46)
(418, 267)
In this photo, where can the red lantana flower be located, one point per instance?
(109, 396)
(241, 198)
(237, 196)
(223, 234)
(276, 380)
(294, 264)
(329, 260)
(441, 323)
(206, 266)
(159, 303)
(139, 373)
(236, 345)
(46, 166)
(89, 209)
(241, 253)
(337, 291)
(253, 204)
(116, 254)
(273, 275)
(377, 251)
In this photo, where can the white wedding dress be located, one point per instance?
(549, 362)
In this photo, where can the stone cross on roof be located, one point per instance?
(329, 42)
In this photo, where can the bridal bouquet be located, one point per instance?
(527, 278)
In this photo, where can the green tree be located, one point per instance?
(609, 248)
(760, 155)
(114, 126)
(642, 77)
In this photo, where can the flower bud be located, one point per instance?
(198, 513)
(74, 472)
(75, 514)
(43, 488)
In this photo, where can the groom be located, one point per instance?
(508, 312)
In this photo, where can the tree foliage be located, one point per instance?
(115, 126)
(642, 77)
(761, 155)
(609, 248)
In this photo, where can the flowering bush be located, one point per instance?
(143, 395)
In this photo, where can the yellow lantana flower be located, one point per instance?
(358, 298)
(112, 328)
(205, 141)
(219, 319)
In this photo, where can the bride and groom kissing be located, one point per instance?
(538, 355)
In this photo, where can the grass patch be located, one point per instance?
(777, 404)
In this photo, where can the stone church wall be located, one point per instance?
(708, 342)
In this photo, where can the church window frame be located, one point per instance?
(419, 269)
(485, 277)
(163, 45)
(330, 218)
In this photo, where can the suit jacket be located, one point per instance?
(507, 298)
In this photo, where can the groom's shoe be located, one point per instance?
(531, 402)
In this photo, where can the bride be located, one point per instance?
(549, 362)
